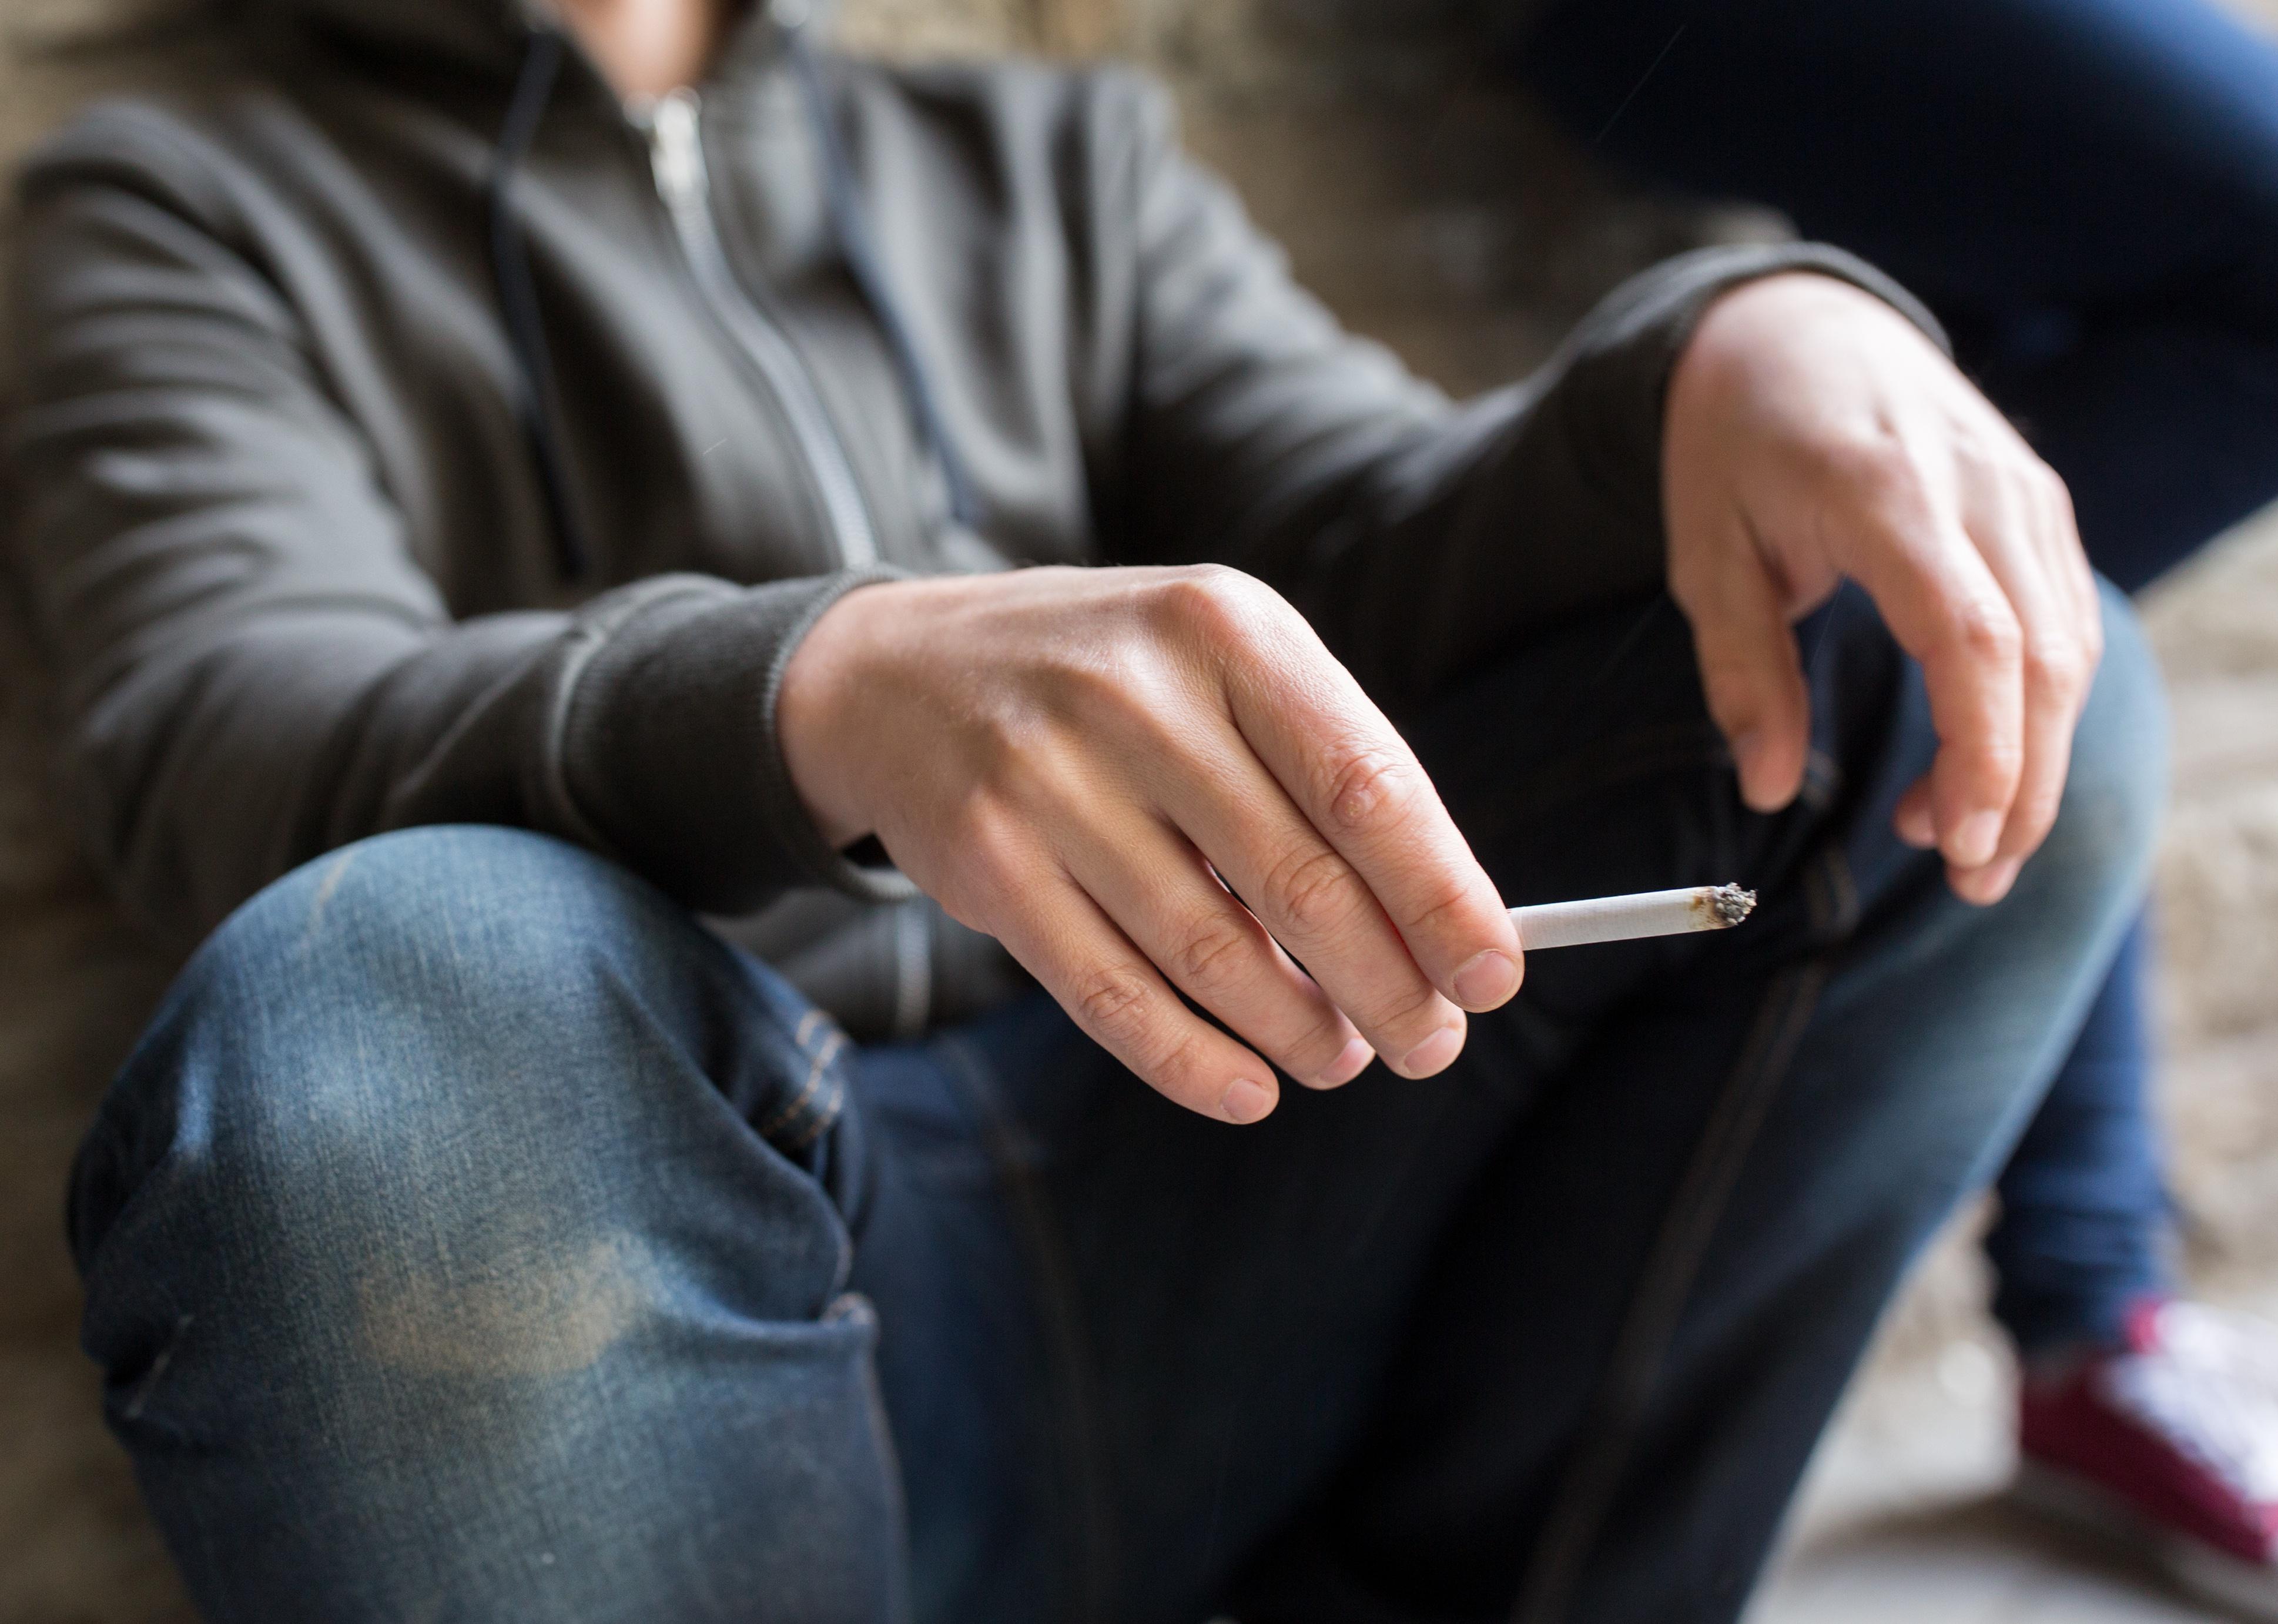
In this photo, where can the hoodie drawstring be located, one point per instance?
(842, 191)
(526, 328)
(518, 296)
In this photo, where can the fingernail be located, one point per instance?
(1916, 829)
(1245, 1102)
(1975, 841)
(1487, 981)
(1433, 1053)
(1347, 1066)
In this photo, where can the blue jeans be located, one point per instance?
(474, 1237)
(2087, 193)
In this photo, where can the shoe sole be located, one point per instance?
(2204, 1574)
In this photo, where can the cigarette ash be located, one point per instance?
(1731, 904)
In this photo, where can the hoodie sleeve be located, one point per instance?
(1418, 537)
(252, 668)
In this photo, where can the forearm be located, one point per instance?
(1528, 506)
(640, 726)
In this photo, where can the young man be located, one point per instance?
(2100, 235)
(552, 477)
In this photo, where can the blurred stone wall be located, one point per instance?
(75, 984)
(1432, 211)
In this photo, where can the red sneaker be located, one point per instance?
(2172, 1441)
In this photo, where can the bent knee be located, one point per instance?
(416, 1018)
(462, 939)
(2118, 784)
(438, 997)
(408, 902)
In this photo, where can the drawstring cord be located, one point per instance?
(851, 224)
(517, 295)
(526, 329)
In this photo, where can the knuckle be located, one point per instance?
(1114, 1003)
(1988, 634)
(1321, 1047)
(1217, 577)
(1449, 903)
(1213, 951)
(1372, 787)
(2060, 665)
(1413, 1009)
(1179, 1070)
(1210, 601)
(1316, 892)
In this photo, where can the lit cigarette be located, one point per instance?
(1621, 919)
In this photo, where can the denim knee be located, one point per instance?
(2118, 785)
(2029, 966)
(459, 1240)
(472, 1043)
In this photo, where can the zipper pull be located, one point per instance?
(675, 145)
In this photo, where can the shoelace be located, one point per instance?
(2211, 1386)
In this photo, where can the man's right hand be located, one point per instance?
(1072, 759)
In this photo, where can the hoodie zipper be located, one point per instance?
(684, 181)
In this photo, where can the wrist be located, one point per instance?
(816, 726)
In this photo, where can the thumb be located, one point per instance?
(1750, 673)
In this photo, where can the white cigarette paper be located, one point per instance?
(1621, 919)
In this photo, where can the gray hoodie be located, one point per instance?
(410, 432)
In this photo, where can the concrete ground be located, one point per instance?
(1907, 1515)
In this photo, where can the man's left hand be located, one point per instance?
(1814, 434)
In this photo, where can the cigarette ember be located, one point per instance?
(1620, 919)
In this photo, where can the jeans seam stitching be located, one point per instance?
(792, 1109)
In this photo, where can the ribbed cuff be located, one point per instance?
(1615, 394)
(669, 748)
